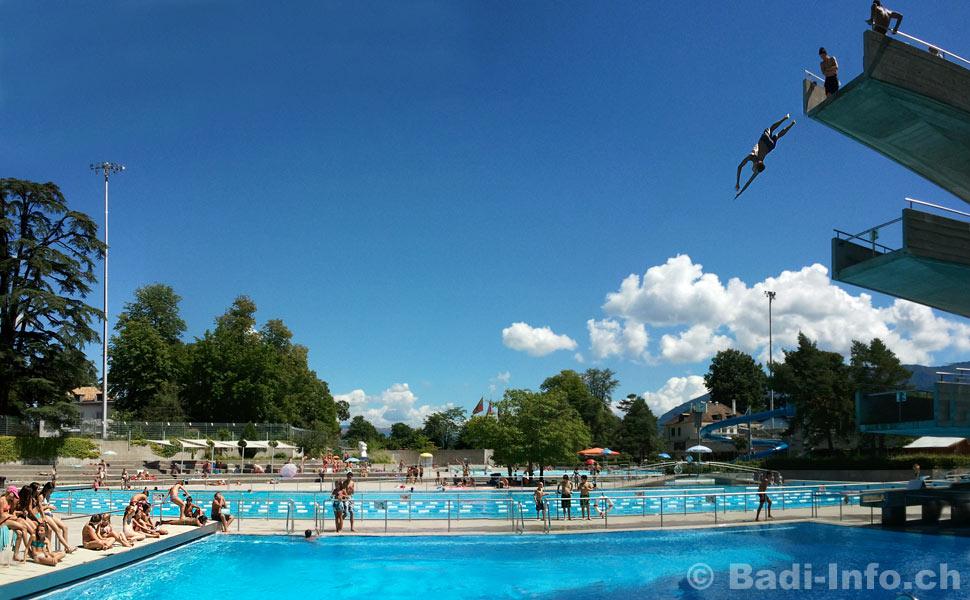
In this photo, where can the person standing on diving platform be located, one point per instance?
(757, 156)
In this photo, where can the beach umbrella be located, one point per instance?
(109, 453)
(353, 460)
(700, 449)
(426, 455)
(288, 470)
(664, 455)
(590, 461)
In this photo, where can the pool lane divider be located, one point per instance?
(70, 575)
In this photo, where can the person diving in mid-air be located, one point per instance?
(757, 156)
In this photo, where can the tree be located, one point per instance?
(238, 373)
(361, 430)
(402, 435)
(248, 433)
(595, 412)
(638, 432)
(734, 375)
(530, 428)
(875, 368)
(47, 255)
(444, 428)
(601, 384)
(146, 355)
(817, 383)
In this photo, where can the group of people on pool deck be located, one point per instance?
(343, 502)
(28, 514)
(189, 512)
(601, 505)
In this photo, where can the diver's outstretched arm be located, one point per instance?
(737, 182)
(746, 185)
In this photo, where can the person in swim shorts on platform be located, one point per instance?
(538, 495)
(584, 488)
(565, 489)
(766, 143)
(763, 497)
(830, 68)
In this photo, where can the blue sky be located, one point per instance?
(443, 200)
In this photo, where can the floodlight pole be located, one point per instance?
(108, 169)
(771, 399)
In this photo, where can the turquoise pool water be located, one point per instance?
(470, 504)
(616, 566)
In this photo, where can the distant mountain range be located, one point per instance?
(923, 378)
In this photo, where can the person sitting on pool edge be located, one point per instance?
(191, 515)
(218, 504)
(91, 538)
(38, 549)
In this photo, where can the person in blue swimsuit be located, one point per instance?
(766, 143)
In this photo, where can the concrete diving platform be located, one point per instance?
(943, 411)
(932, 500)
(909, 105)
(932, 267)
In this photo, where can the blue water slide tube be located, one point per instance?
(773, 446)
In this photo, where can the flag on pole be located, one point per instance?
(480, 407)
(489, 413)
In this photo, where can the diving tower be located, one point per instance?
(909, 105)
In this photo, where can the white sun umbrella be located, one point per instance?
(189, 444)
(221, 444)
(262, 445)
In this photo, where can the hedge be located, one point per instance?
(17, 448)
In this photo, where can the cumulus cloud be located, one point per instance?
(700, 316)
(537, 341)
(676, 391)
(609, 337)
(397, 404)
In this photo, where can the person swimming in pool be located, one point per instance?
(766, 143)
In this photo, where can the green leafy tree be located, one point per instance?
(361, 430)
(817, 383)
(734, 375)
(146, 355)
(238, 373)
(402, 435)
(638, 432)
(499, 433)
(248, 433)
(47, 255)
(595, 412)
(875, 368)
(601, 384)
(444, 428)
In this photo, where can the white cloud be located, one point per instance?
(578, 357)
(608, 337)
(676, 391)
(503, 377)
(699, 315)
(537, 341)
(397, 404)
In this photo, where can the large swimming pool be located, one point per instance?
(469, 504)
(615, 566)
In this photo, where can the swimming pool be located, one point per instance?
(618, 566)
(470, 504)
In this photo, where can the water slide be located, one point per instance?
(773, 446)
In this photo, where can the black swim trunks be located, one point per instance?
(831, 84)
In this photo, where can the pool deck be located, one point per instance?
(20, 580)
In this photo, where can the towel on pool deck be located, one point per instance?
(5, 537)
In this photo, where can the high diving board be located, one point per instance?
(909, 105)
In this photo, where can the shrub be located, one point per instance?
(380, 458)
(29, 447)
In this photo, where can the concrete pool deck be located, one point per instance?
(20, 580)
